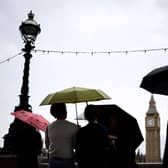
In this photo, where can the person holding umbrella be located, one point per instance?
(92, 141)
(27, 155)
(60, 138)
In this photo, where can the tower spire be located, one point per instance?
(152, 106)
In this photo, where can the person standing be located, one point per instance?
(29, 146)
(113, 158)
(60, 138)
(92, 142)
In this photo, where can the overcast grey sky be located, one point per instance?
(88, 25)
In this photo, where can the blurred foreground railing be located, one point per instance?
(9, 161)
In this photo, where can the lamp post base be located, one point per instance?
(11, 138)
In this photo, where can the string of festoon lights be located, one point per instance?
(10, 58)
(102, 52)
(89, 52)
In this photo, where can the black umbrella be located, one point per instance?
(156, 81)
(129, 134)
(130, 130)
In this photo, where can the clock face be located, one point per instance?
(150, 122)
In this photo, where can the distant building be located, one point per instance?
(139, 157)
(152, 125)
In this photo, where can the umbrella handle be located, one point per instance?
(76, 114)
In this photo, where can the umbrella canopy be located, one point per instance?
(75, 95)
(35, 120)
(129, 128)
(156, 81)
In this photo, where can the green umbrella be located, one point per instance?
(75, 95)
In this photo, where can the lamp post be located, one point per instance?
(29, 30)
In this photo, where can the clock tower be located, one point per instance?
(152, 125)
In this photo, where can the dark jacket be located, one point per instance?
(91, 146)
(29, 145)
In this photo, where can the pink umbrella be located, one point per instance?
(35, 120)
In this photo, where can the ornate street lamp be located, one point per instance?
(29, 30)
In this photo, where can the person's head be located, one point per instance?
(113, 123)
(58, 110)
(91, 113)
